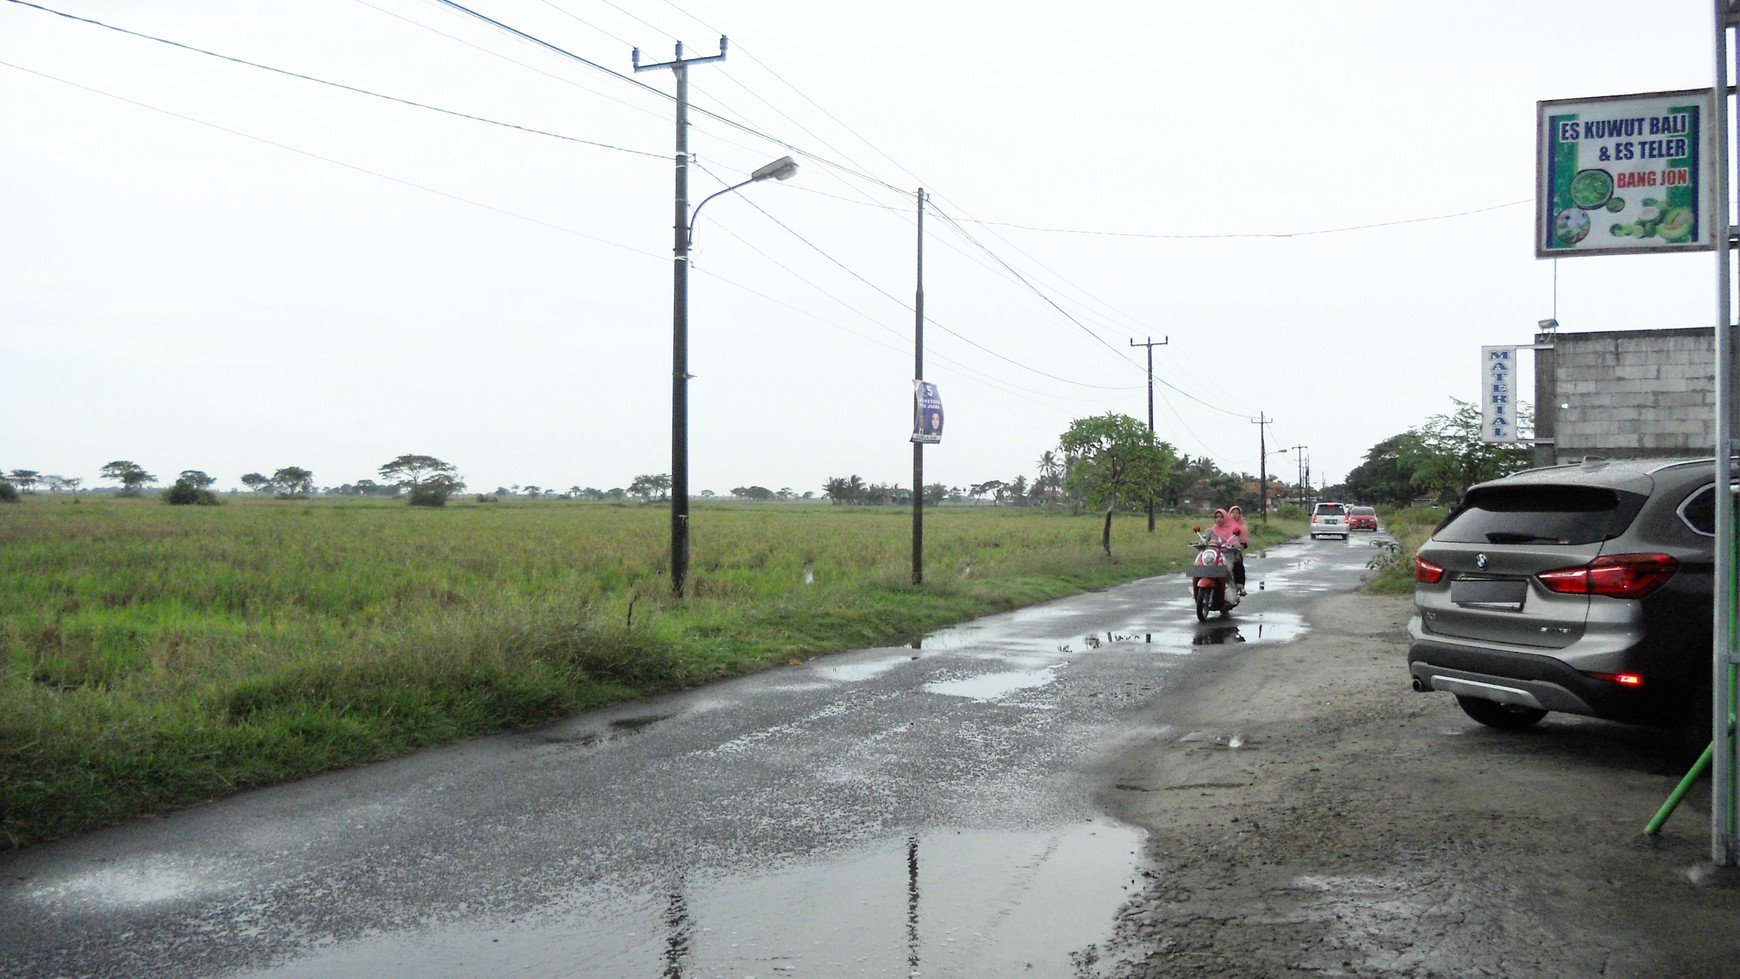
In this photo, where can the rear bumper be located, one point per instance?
(1532, 680)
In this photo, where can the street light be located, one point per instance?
(780, 169)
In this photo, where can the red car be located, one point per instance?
(1361, 518)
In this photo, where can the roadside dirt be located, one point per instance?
(1311, 816)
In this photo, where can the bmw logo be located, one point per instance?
(1480, 561)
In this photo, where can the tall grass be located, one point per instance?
(159, 656)
(1395, 569)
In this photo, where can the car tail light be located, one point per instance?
(1617, 576)
(1623, 679)
(1426, 572)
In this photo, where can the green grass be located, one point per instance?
(156, 657)
(1394, 570)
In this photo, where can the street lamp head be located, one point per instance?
(780, 169)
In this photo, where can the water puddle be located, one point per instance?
(937, 903)
(993, 686)
(134, 883)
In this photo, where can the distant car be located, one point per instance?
(1329, 520)
(1585, 589)
(1361, 518)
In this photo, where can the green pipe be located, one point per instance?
(1679, 792)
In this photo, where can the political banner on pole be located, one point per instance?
(1624, 174)
(927, 414)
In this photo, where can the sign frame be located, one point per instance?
(1619, 151)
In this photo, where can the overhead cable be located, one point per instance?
(338, 85)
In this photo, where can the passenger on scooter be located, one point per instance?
(1235, 518)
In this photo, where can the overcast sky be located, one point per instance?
(1325, 208)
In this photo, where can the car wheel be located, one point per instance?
(1509, 717)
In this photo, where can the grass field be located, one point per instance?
(155, 657)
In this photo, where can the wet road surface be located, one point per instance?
(897, 811)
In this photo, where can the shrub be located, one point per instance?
(8, 492)
(429, 494)
(184, 493)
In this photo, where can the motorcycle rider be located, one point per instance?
(1235, 519)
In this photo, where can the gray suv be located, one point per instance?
(1586, 589)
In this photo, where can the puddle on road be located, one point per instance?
(948, 903)
(993, 686)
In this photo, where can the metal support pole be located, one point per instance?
(1151, 345)
(918, 374)
(1723, 850)
(680, 320)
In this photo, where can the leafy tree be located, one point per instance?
(411, 470)
(935, 494)
(1446, 454)
(196, 479)
(646, 485)
(752, 493)
(1383, 477)
(430, 492)
(58, 483)
(8, 492)
(186, 492)
(130, 475)
(1049, 482)
(1116, 458)
(844, 489)
(989, 486)
(293, 481)
(24, 479)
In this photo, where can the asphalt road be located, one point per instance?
(927, 810)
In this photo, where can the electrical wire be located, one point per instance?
(908, 307)
(338, 85)
(1255, 234)
(336, 163)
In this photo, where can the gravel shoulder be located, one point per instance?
(1309, 815)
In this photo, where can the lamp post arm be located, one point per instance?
(696, 214)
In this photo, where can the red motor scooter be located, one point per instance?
(1211, 576)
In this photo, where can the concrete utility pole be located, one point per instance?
(1263, 422)
(680, 319)
(918, 375)
(1299, 451)
(1151, 345)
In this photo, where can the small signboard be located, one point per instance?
(927, 414)
(1498, 405)
(1624, 174)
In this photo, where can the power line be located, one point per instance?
(903, 304)
(336, 163)
(338, 85)
(1253, 234)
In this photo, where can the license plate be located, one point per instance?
(1490, 592)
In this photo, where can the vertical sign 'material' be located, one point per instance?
(1624, 174)
(1497, 406)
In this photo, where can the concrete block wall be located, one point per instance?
(1627, 394)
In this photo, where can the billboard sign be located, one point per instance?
(1624, 174)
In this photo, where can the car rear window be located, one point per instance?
(1363, 511)
(1540, 515)
(1327, 510)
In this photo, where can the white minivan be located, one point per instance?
(1329, 520)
